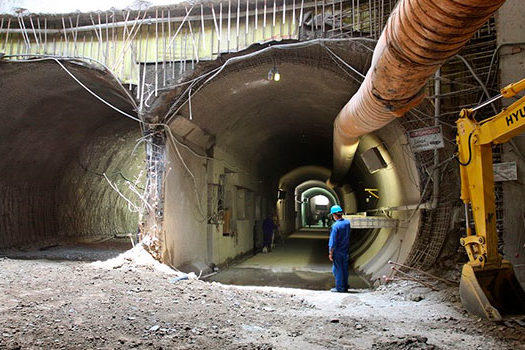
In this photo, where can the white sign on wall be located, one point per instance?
(505, 171)
(426, 139)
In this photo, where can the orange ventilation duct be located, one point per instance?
(419, 37)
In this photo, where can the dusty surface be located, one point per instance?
(85, 251)
(121, 304)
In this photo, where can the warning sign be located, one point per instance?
(426, 139)
(505, 171)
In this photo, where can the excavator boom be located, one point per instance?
(488, 286)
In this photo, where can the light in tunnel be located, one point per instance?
(273, 74)
(321, 200)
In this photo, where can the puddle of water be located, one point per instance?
(292, 279)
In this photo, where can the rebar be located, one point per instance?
(424, 273)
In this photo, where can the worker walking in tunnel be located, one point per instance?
(338, 249)
(268, 227)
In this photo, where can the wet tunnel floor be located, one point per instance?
(300, 262)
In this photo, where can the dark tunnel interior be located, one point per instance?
(58, 141)
(281, 131)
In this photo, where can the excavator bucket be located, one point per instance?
(491, 293)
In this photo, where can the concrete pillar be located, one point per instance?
(510, 30)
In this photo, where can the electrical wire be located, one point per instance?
(496, 52)
(344, 63)
(83, 85)
(43, 57)
(119, 172)
(475, 76)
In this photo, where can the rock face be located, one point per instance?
(56, 146)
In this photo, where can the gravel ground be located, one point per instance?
(137, 303)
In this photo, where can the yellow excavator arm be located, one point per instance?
(488, 285)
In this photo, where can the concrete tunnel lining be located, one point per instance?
(307, 190)
(289, 121)
(57, 140)
(255, 132)
(253, 117)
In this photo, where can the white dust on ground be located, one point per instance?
(133, 301)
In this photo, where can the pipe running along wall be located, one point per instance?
(419, 37)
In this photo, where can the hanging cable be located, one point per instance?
(43, 57)
(469, 151)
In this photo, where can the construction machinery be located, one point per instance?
(488, 286)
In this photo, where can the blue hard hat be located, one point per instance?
(336, 209)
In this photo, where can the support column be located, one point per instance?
(151, 227)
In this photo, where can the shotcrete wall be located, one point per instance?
(86, 203)
(20, 204)
(56, 141)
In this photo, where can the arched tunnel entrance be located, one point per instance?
(62, 152)
(242, 136)
(314, 199)
(238, 140)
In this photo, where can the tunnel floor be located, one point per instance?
(103, 249)
(301, 261)
(78, 305)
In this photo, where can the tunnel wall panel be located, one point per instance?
(184, 225)
(194, 240)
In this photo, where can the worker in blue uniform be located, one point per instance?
(338, 249)
(268, 227)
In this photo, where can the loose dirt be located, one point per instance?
(132, 302)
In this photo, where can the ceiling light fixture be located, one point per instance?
(273, 74)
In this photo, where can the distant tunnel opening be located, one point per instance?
(314, 200)
(58, 143)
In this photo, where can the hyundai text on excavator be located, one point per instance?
(488, 286)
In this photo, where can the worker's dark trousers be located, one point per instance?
(340, 270)
(267, 239)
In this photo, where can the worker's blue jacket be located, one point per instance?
(340, 237)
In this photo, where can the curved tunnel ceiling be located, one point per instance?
(46, 116)
(56, 139)
(302, 174)
(279, 126)
(316, 191)
(312, 188)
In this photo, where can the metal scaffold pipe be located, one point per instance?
(419, 37)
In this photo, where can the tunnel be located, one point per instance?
(63, 151)
(244, 145)
(314, 201)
